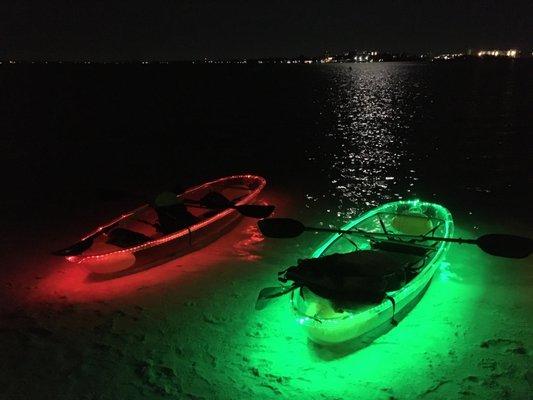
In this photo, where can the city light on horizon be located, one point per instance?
(512, 53)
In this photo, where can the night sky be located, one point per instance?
(108, 30)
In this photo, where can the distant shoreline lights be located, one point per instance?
(511, 53)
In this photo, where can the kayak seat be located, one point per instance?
(412, 224)
(125, 238)
(173, 218)
(396, 246)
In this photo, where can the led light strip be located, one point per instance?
(255, 192)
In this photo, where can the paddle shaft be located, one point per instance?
(195, 204)
(386, 235)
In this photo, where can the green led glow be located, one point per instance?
(436, 345)
(323, 324)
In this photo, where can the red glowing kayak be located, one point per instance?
(103, 257)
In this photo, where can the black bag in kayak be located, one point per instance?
(360, 276)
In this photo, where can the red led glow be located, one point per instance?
(38, 278)
(73, 284)
(245, 200)
(244, 248)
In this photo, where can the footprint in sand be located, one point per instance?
(505, 346)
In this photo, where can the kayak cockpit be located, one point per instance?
(141, 226)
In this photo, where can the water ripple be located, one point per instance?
(366, 155)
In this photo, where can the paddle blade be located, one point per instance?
(255, 210)
(215, 201)
(502, 245)
(266, 295)
(75, 249)
(280, 227)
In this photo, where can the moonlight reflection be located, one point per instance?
(366, 152)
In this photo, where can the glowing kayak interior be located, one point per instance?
(324, 322)
(105, 258)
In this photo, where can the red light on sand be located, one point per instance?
(73, 283)
(246, 248)
(65, 282)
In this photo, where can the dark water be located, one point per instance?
(337, 138)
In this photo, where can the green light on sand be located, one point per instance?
(436, 340)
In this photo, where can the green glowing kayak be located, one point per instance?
(326, 323)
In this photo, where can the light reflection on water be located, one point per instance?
(368, 164)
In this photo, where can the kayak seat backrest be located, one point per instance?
(412, 224)
(125, 238)
(396, 246)
(174, 218)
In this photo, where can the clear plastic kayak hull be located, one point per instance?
(105, 258)
(325, 323)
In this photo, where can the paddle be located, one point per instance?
(269, 293)
(213, 202)
(248, 210)
(84, 244)
(75, 249)
(216, 201)
(496, 244)
(254, 210)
